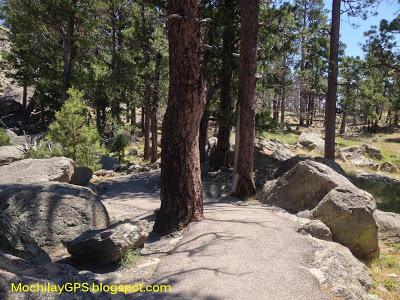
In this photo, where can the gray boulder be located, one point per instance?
(285, 166)
(316, 229)
(109, 245)
(9, 154)
(8, 105)
(356, 155)
(312, 141)
(303, 187)
(349, 214)
(109, 163)
(275, 149)
(52, 212)
(58, 169)
(389, 226)
(82, 176)
(17, 242)
(339, 272)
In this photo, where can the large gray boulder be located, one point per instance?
(9, 154)
(108, 246)
(17, 242)
(312, 141)
(286, 165)
(339, 272)
(303, 187)
(58, 169)
(275, 149)
(389, 226)
(52, 212)
(349, 214)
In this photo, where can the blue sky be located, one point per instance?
(352, 36)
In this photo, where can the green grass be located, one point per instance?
(4, 138)
(131, 257)
(284, 137)
(388, 263)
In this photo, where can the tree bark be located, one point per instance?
(133, 115)
(154, 110)
(221, 158)
(203, 137)
(24, 97)
(68, 44)
(330, 109)
(243, 181)
(147, 118)
(181, 187)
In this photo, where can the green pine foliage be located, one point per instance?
(79, 141)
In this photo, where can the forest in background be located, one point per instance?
(96, 67)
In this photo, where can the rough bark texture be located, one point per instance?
(154, 109)
(330, 109)
(181, 187)
(24, 97)
(243, 182)
(68, 44)
(226, 72)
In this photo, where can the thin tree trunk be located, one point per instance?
(24, 97)
(181, 187)
(343, 124)
(147, 119)
(133, 115)
(68, 44)
(203, 137)
(142, 119)
(243, 181)
(330, 109)
(221, 158)
(154, 110)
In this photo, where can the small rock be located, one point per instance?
(109, 245)
(392, 275)
(104, 173)
(372, 151)
(388, 167)
(316, 229)
(275, 149)
(306, 214)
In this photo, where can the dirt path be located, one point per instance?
(237, 252)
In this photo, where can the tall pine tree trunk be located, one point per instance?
(181, 186)
(24, 97)
(330, 108)
(154, 109)
(221, 158)
(68, 42)
(203, 137)
(243, 181)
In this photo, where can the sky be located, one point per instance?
(354, 36)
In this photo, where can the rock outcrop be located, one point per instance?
(109, 245)
(9, 154)
(275, 149)
(356, 155)
(312, 141)
(52, 212)
(389, 226)
(339, 272)
(286, 165)
(349, 214)
(303, 187)
(17, 242)
(8, 106)
(58, 169)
